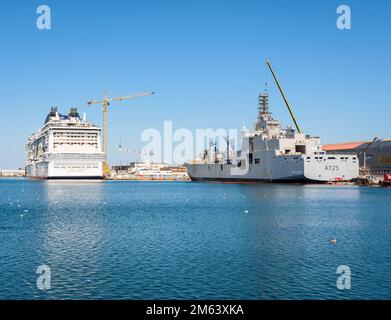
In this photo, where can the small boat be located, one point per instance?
(387, 180)
(338, 180)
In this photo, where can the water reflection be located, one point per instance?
(137, 240)
(73, 232)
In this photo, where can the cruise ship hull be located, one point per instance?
(304, 169)
(62, 170)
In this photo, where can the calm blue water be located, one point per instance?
(173, 240)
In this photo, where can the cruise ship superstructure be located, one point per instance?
(272, 154)
(66, 147)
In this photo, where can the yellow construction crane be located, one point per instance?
(283, 96)
(105, 105)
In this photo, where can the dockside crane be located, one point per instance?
(283, 96)
(364, 152)
(106, 102)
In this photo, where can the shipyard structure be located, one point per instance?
(12, 173)
(67, 146)
(374, 157)
(147, 171)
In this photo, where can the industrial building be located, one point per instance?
(374, 156)
(12, 173)
(148, 171)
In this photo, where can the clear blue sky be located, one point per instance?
(204, 58)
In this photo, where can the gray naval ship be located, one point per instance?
(270, 153)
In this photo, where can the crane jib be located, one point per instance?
(105, 103)
(283, 96)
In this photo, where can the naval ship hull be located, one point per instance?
(68, 170)
(303, 169)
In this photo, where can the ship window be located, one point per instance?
(331, 158)
(287, 151)
(300, 148)
(257, 161)
(251, 145)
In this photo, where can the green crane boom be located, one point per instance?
(283, 96)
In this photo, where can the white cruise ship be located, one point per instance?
(66, 147)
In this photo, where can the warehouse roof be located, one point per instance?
(343, 146)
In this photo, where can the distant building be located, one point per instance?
(133, 167)
(12, 173)
(377, 158)
(174, 169)
(149, 171)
